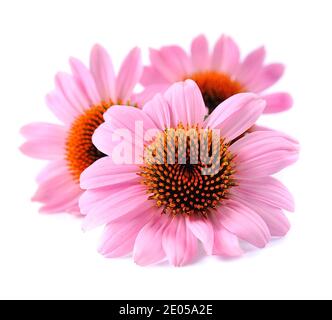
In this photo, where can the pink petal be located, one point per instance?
(119, 119)
(236, 115)
(148, 245)
(103, 73)
(158, 110)
(53, 178)
(268, 76)
(148, 93)
(119, 237)
(200, 53)
(245, 223)
(151, 76)
(119, 202)
(202, 230)
(274, 218)
(85, 80)
(129, 74)
(266, 189)
(70, 90)
(277, 102)
(263, 153)
(104, 172)
(179, 243)
(226, 55)
(252, 64)
(61, 108)
(226, 243)
(171, 62)
(44, 140)
(186, 103)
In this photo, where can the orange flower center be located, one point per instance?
(80, 151)
(216, 87)
(187, 170)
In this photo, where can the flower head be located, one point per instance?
(219, 74)
(197, 180)
(79, 102)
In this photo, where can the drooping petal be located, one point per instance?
(251, 65)
(200, 53)
(179, 243)
(129, 74)
(148, 245)
(85, 80)
(226, 55)
(120, 201)
(203, 230)
(186, 103)
(103, 73)
(226, 243)
(245, 223)
(263, 153)
(56, 177)
(44, 140)
(236, 115)
(119, 236)
(277, 102)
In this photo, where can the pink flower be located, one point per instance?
(160, 210)
(79, 102)
(219, 74)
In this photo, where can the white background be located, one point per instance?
(50, 257)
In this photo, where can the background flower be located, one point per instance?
(79, 102)
(219, 74)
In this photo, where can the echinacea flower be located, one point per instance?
(79, 102)
(159, 209)
(219, 74)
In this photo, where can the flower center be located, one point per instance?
(80, 151)
(216, 87)
(187, 170)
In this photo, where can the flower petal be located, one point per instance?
(44, 140)
(148, 245)
(263, 153)
(186, 103)
(104, 172)
(119, 236)
(226, 55)
(179, 243)
(151, 76)
(53, 178)
(251, 65)
(112, 204)
(85, 80)
(277, 102)
(129, 74)
(200, 53)
(226, 243)
(236, 115)
(158, 110)
(103, 73)
(268, 76)
(203, 230)
(265, 189)
(245, 223)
